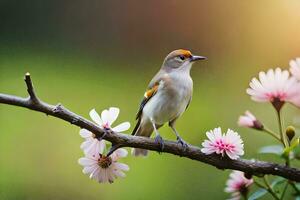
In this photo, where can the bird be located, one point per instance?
(168, 95)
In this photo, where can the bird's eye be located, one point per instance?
(181, 57)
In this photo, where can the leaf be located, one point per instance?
(297, 198)
(276, 183)
(258, 194)
(261, 192)
(297, 186)
(297, 152)
(274, 149)
(287, 150)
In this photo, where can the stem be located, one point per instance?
(287, 162)
(282, 136)
(284, 190)
(267, 130)
(269, 188)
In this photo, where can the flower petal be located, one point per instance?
(121, 166)
(121, 127)
(113, 114)
(85, 133)
(86, 144)
(86, 161)
(101, 146)
(93, 149)
(105, 117)
(95, 174)
(89, 169)
(119, 173)
(95, 117)
(119, 153)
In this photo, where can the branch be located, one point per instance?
(123, 140)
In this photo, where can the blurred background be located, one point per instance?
(97, 54)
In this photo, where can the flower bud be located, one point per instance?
(290, 132)
(250, 121)
(258, 125)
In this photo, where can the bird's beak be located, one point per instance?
(195, 58)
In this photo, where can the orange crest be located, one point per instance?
(185, 53)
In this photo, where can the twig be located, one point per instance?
(267, 130)
(30, 88)
(192, 152)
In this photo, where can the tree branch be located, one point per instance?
(123, 140)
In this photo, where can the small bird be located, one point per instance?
(167, 97)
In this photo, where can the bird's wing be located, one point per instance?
(150, 92)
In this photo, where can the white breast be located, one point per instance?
(171, 99)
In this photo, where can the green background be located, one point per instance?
(97, 54)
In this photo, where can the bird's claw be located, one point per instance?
(158, 139)
(183, 143)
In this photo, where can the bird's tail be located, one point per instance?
(145, 130)
(139, 152)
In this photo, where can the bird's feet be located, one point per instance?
(158, 139)
(183, 143)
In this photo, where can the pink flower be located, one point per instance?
(93, 145)
(104, 169)
(275, 86)
(229, 143)
(295, 68)
(250, 121)
(238, 185)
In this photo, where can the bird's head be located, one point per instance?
(181, 58)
